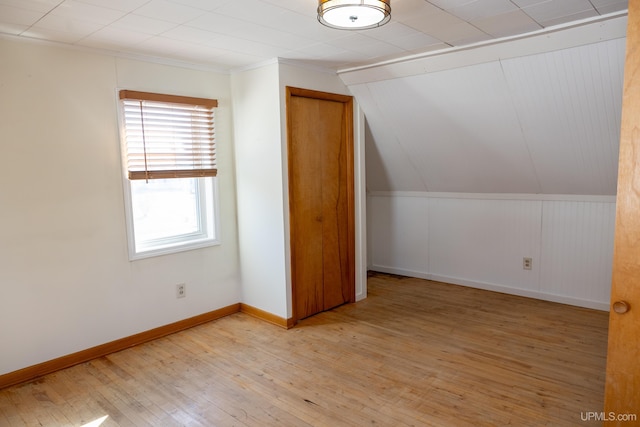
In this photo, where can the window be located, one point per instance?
(170, 162)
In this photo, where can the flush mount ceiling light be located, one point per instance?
(354, 14)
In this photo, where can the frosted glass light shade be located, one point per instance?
(354, 14)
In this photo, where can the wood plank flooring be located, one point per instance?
(414, 353)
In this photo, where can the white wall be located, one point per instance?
(260, 192)
(259, 99)
(65, 279)
(480, 240)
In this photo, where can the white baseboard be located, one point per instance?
(400, 272)
(579, 302)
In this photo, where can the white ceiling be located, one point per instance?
(231, 34)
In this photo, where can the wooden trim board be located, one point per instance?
(31, 372)
(267, 317)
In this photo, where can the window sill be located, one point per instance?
(172, 249)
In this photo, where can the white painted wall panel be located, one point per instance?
(455, 131)
(485, 240)
(480, 240)
(391, 167)
(256, 105)
(66, 281)
(546, 123)
(400, 234)
(460, 129)
(577, 249)
(569, 105)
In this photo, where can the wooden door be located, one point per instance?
(321, 200)
(622, 391)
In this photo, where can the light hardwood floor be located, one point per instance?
(415, 353)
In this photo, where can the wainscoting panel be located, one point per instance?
(481, 240)
(399, 235)
(577, 252)
(485, 241)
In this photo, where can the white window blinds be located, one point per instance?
(168, 136)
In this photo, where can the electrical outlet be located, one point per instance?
(527, 263)
(181, 290)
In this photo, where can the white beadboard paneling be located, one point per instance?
(460, 130)
(577, 249)
(457, 131)
(391, 167)
(545, 123)
(519, 119)
(485, 240)
(569, 105)
(609, 27)
(399, 234)
(479, 240)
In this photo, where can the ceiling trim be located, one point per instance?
(116, 54)
(283, 61)
(593, 30)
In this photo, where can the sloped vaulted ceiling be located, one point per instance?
(545, 123)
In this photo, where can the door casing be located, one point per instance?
(297, 242)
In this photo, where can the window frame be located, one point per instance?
(208, 210)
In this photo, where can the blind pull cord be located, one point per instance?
(144, 145)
